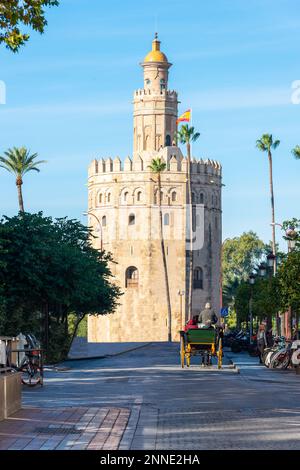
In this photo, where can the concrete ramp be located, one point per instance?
(82, 349)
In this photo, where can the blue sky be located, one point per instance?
(69, 96)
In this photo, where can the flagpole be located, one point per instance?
(191, 122)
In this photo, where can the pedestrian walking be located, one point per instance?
(261, 341)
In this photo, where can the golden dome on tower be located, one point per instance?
(156, 55)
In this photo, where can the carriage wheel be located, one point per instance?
(182, 352)
(220, 354)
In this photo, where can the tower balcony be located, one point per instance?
(148, 92)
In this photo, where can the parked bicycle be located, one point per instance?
(29, 362)
(282, 354)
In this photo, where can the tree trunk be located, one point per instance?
(46, 328)
(190, 208)
(79, 320)
(273, 228)
(163, 251)
(19, 183)
(273, 209)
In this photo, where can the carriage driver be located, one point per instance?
(207, 317)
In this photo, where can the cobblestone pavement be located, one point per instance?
(171, 408)
(64, 429)
(245, 429)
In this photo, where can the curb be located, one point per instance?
(87, 358)
(234, 365)
(129, 432)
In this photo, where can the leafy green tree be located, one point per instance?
(158, 167)
(28, 13)
(50, 270)
(289, 281)
(266, 144)
(19, 161)
(241, 302)
(186, 135)
(296, 152)
(229, 291)
(240, 256)
(265, 300)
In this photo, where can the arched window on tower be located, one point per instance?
(198, 278)
(100, 198)
(131, 277)
(174, 196)
(162, 84)
(167, 219)
(139, 142)
(201, 199)
(131, 219)
(108, 198)
(168, 140)
(139, 196)
(103, 221)
(147, 142)
(126, 196)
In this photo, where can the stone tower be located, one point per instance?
(124, 214)
(155, 107)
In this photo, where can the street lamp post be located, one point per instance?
(221, 272)
(262, 270)
(99, 227)
(271, 264)
(181, 294)
(251, 282)
(291, 236)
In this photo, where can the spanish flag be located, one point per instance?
(185, 117)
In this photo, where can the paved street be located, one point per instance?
(171, 408)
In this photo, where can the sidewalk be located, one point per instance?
(82, 349)
(64, 429)
(248, 364)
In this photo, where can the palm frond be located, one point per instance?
(275, 144)
(187, 134)
(261, 146)
(19, 161)
(157, 165)
(266, 143)
(296, 152)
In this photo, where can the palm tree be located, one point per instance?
(296, 152)
(266, 144)
(19, 162)
(185, 136)
(157, 167)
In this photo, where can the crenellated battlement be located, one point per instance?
(172, 156)
(143, 92)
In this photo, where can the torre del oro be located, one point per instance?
(123, 212)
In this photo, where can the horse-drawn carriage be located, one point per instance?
(203, 342)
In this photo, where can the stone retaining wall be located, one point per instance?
(10, 394)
